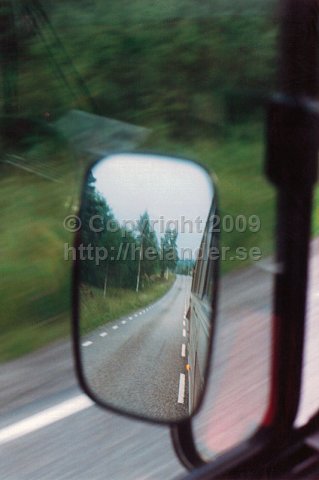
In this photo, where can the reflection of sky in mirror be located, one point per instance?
(175, 193)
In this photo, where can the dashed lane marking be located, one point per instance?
(184, 332)
(86, 344)
(43, 419)
(115, 327)
(103, 334)
(183, 350)
(181, 388)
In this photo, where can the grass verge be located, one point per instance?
(97, 310)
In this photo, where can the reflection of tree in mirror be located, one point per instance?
(116, 256)
(118, 262)
(185, 267)
(169, 254)
(96, 214)
(148, 250)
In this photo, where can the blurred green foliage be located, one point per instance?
(35, 287)
(162, 62)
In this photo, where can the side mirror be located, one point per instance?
(145, 285)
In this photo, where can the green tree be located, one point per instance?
(169, 253)
(98, 235)
(148, 250)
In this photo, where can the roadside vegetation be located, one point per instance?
(137, 266)
(197, 80)
(98, 310)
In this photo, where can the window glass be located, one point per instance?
(81, 78)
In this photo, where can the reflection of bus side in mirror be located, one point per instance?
(201, 311)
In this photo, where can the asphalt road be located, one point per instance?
(137, 362)
(49, 430)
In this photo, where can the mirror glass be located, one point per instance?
(146, 284)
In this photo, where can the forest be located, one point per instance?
(131, 258)
(185, 68)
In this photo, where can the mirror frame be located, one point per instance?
(75, 297)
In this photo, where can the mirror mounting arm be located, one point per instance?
(292, 142)
(184, 445)
(291, 165)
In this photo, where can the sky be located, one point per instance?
(176, 193)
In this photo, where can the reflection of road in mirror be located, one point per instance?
(138, 362)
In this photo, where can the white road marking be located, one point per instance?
(184, 332)
(115, 327)
(184, 323)
(130, 318)
(44, 418)
(181, 388)
(123, 322)
(135, 315)
(86, 344)
(183, 350)
(103, 334)
(140, 313)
